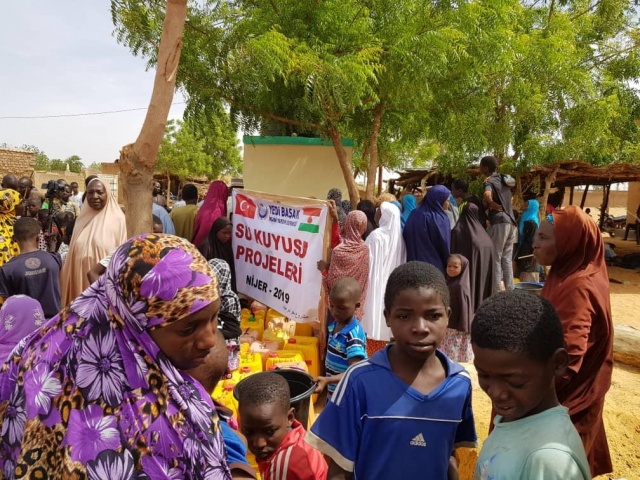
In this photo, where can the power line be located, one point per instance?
(37, 117)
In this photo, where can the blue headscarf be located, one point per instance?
(409, 204)
(529, 215)
(427, 232)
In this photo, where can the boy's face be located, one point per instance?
(418, 320)
(342, 306)
(265, 426)
(517, 385)
(33, 208)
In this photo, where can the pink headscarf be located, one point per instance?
(214, 206)
(19, 317)
(351, 257)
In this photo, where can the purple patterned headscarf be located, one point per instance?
(91, 396)
(19, 316)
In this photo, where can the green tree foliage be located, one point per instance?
(57, 165)
(193, 148)
(42, 160)
(532, 82)
(75, 163)
(540, 82)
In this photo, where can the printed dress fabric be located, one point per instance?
(456, 343)
(91, 396)
(95, 235)
(19, 317)
(351, 258)
(386, 252)
(427, 233)
(9, 199)
(578, 288)
(214, 206)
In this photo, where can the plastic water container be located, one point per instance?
(275, 335)
(304, 329)
(252, 361)
(309, 348)
(284, 356)
(249, 321)
(226, 396)
(264, 349)
(249, 336)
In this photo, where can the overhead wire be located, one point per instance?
(65, 115)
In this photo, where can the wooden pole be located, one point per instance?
(380, 172)
(547, 187)
(571, 196)
(605, 204)
(584, 195)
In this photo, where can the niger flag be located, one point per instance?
(310, 219)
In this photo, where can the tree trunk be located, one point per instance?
(138, 160)
(373, 152)
(345, 166)
(547, 187)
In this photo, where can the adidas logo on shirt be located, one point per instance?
(418, 441)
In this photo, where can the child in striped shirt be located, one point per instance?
(346, 341)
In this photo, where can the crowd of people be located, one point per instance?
(112, 346)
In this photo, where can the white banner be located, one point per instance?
(276, 248)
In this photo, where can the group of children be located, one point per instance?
(403, 412)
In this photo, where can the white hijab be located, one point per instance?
(386, 252)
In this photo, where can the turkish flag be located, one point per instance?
(245, 206)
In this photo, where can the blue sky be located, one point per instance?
(59, 57)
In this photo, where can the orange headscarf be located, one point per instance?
(95, 235)
(578, 287)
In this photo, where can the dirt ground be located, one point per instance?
(622, 407)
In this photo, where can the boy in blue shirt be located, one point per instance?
(401, 413)
(518, 344)
(346, 340)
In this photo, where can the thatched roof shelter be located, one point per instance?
(567, 174)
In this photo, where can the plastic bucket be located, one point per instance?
(531, 287)
(301, 387)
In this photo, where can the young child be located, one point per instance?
(401, 413)
(457, 340)
(273, 434)
(34, 205)
(346, 341)
(209, 374)
(519, 352)
(33, 273)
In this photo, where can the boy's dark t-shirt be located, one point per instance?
(35, 274)
(501, 194)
